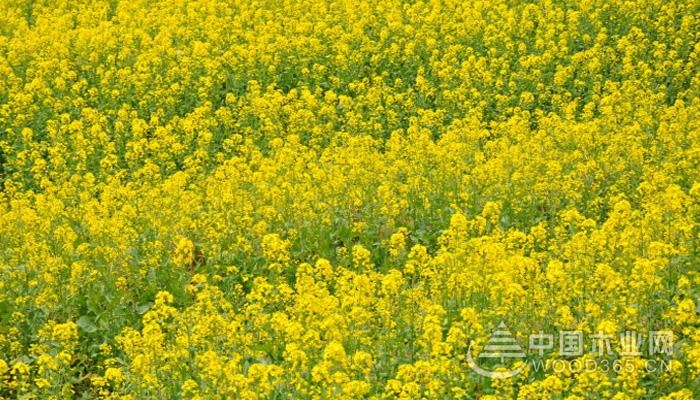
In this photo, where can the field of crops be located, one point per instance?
(371, 199)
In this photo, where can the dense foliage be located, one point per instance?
(314, 199)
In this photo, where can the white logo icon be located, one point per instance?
(502, 345)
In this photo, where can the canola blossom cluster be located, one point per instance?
(321, 199)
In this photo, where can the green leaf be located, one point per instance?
(141, 309)
(5, 311)
(86, 324)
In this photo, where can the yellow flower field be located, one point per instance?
(370, 199)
